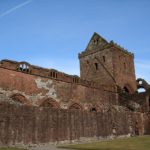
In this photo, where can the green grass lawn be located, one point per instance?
(134, 143)
(11, 149)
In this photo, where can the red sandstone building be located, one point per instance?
(102, 102)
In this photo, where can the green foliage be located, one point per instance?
(134, 143)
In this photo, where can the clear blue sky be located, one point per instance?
(50, 33)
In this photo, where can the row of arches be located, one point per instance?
(49, 102)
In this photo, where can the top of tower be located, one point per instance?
(98, 43)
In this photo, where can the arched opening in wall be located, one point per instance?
(50, 103)
(126, 90)
(141, 90)
(20, 99)
(93, 109)
(24, 67)
(75, 106)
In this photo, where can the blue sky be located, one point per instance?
(50, 33)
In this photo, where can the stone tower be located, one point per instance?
(108, 64)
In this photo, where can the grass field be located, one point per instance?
(11, 149)
(134, 143)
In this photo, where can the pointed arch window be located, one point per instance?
(50, 103)
(75, 106)
(24, 67)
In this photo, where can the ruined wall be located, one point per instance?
(36, 89)
(136, 102)
(28, 124)
(107, 63)
(123, 66)
(97, 66)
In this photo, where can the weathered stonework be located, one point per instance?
(39, 105)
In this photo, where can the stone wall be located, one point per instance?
(107, 63)
(139, 102)
(35, 89)
(28, 124)
(124, 71)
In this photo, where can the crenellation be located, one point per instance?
(112, 43)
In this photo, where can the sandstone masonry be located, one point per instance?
(39, 105)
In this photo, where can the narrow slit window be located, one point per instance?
(104, 59)
(96, 66)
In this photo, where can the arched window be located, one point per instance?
(142, 85)
(50, 103)
(20, 99)
(126, 90)
(75, 106)
(24, 67)
(141, 90)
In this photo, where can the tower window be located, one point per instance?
(124, 65)
(126, 90)
(96, 66)
(95, 41)
(104, 59)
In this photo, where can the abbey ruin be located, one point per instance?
(39, 105)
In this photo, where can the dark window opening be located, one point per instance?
(53, 74)
(75, 80)
(104, 59)
(126, 90)
(149, 103)
(93, 109)
(95, 41)
(24, 67)
(96, 66)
